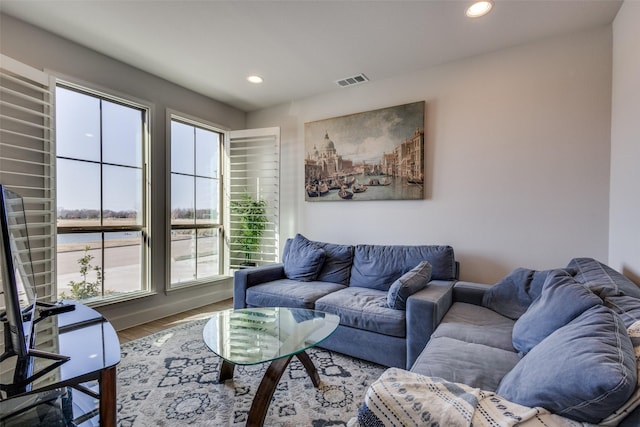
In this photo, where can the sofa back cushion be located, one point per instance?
(562, 300)
(628, 308)
(337, 263)
(602, 279)
(585, 370)
(378, 266)
(514, 293)
(336, 267)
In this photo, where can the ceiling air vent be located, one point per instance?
(353, 80)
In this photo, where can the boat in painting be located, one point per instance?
(323, 188)
(312, 190)
(345, 194)
(375, 182)
(415, 180)
(359, 188)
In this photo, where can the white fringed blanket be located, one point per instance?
(403, 398)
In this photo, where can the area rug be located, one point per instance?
(169, 379)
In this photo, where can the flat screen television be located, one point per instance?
(20, 295)
(17, 273)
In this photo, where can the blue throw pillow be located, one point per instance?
(407, 285)
(512, 295)
(562, 300)
(584, 371)
(303, 260)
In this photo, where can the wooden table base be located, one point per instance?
(268, 385)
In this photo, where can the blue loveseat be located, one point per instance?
(389, 297)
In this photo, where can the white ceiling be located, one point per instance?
(300, 48)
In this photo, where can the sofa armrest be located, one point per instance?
(247, 277)
(425, 310)
(469, 292)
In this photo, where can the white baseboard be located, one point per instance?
(134, 313)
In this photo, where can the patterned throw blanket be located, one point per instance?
(403, 398)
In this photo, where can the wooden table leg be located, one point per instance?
(108, 397)
(226, 371)
(310, 367)
(265, 391)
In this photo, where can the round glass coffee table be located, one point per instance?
(250, 336)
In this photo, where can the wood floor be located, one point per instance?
(145, 329)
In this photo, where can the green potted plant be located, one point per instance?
(252, 217)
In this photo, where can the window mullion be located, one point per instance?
(195, 200)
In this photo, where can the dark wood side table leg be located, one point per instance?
(310, 367)
(226, 371)
(108, 397)
(265, 391)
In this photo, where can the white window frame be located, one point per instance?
(148, 108)
(222, 205)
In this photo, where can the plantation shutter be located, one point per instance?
(253, 173)
(27, 161)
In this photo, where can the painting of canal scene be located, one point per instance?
(376, 155)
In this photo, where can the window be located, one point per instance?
(102, 224)
(196, 230)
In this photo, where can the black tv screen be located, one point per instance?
(17, 274)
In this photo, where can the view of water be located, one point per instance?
(93, 237)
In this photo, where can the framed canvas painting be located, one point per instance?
(375, 155)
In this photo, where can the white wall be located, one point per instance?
(43, 50)
(624, 243)
(517, 149)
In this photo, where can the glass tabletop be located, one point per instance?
(256, 335)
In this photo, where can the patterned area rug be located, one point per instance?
(169, 379)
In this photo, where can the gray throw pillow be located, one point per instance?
(562, 300)
(303, 260)
(584, 371)
(411, 282)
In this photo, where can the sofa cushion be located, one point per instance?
(628, 308)
(410, 283)
(512, 295)
(476, 365)
(337, 263)
(584, 370)
(475, 324)
(364, 308)
(629, 411)
(303, 259)
(378, 266)
(602, 279)
(289, 293)
(562, 300)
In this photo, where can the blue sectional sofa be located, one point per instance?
(565, 340)
(389, 297)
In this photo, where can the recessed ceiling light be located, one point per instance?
(479, 8)
(255, 79)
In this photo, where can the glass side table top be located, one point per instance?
(256, 335)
